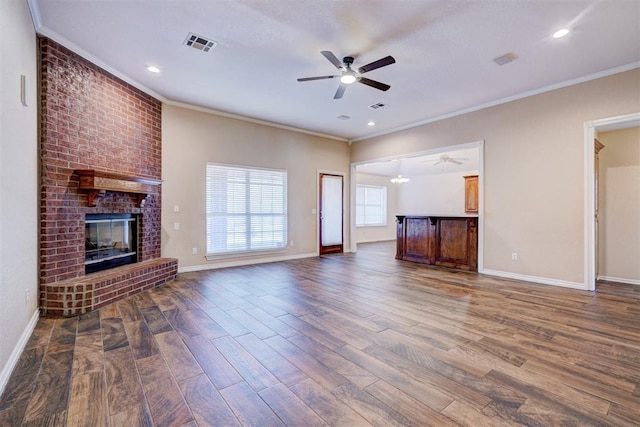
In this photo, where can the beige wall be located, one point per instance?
(437, 194)
(192, 138)
(19, 183)
(533, 171)
(620, 205)
(378, 234)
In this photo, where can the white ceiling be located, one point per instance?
(444, 51)
(430, 164)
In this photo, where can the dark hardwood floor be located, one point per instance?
(353, 339)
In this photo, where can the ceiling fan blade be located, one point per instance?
(306, 79)
(340, 91)
(455, 161)
(388, 60)
(437, 163)
(373, 83)
(332, 58)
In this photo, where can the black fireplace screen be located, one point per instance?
(111, 240)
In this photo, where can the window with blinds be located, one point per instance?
(371, 205)
(246, 209)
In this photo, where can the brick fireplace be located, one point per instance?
(92, 121)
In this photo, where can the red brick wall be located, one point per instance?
(91, 120)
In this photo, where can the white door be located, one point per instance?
(331, 214)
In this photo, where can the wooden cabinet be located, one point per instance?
(444, 241)
(471, 194)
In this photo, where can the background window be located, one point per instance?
(371, 205)
(246, 209)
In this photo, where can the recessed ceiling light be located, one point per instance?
(153, 69)
(560, 33)
(371, 123)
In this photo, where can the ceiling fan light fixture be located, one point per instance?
(348, 78)
(560, 33)
(399, 180)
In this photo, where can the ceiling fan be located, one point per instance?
(445, 158)
(349, 76)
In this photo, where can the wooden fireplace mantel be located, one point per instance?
(97, 183)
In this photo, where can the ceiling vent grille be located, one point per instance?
(198, 42)
(504, 59)
(378, 106)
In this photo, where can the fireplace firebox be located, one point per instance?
(111, 240)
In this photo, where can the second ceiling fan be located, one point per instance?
(349, 76)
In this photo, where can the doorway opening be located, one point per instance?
(591, 129)
(433, 169)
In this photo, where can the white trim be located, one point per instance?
(535, 279)
(590, 129)
(620, 280)
(352, 208)
(17, 351)
(566, 83)
(480, 205)
(377, 241)
(251, 120)
(589, 208)
(35, 14)
(244, 262)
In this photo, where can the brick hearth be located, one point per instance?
(90, 119)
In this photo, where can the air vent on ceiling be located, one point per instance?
(378, 105)
(198, 42)
(504, 59)
(343, 117)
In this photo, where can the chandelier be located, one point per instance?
(399, 180)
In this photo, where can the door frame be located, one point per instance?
(346, 239)
(591, 128)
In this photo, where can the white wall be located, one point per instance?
(192, 138)
(619, 198)
(380, 233)
(533, 172)
(436, 194)
(18, 184)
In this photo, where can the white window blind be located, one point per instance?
(246, 209)
(371, 205)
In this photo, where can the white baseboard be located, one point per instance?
(619, 280)
(376, 241)
(243, 262)
(17, 351)
(535, 279)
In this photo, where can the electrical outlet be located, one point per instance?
(176, 226)
(194, 251)
(27, 297)
(176, 208)
(514, 256)
(291, 243)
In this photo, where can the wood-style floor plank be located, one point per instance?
(208, 407)
(218, 369)
(355, 339)
(249, 407)
(291, 410)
